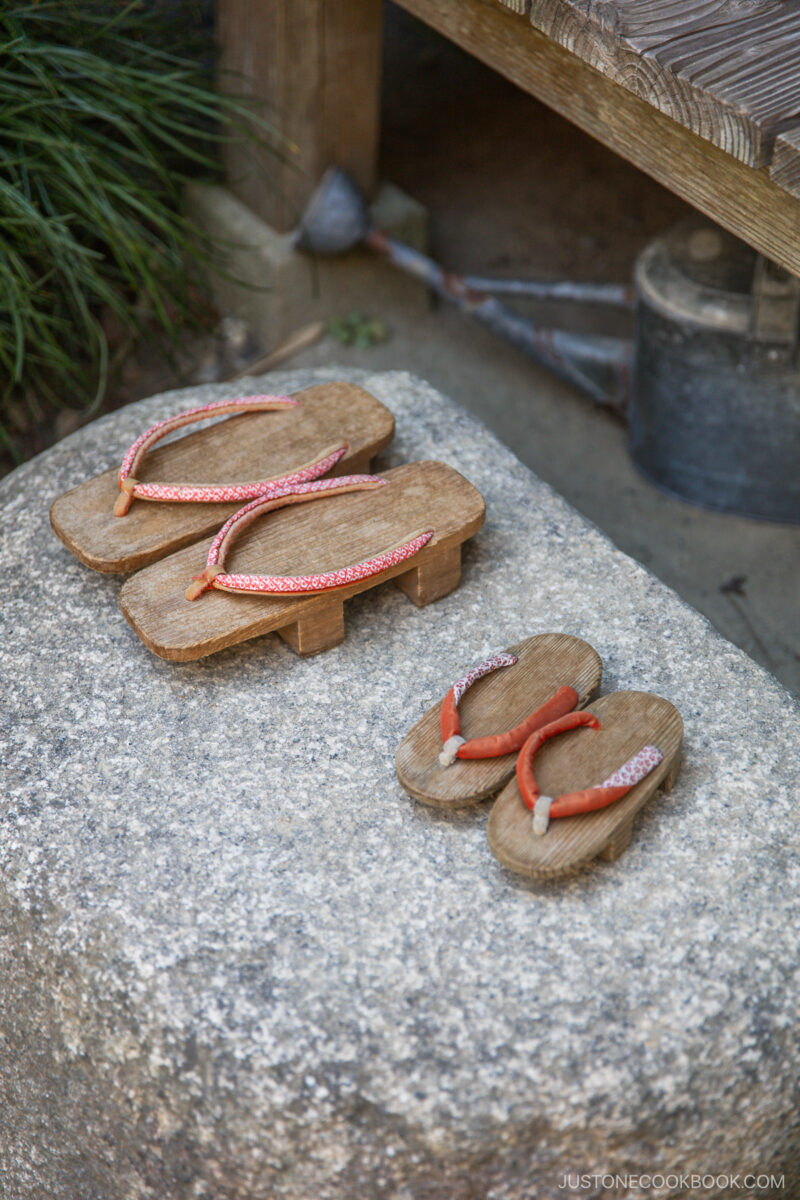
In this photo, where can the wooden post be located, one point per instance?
(313, 69)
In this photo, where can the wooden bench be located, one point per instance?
(700, 94)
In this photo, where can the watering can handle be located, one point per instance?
(775, 308)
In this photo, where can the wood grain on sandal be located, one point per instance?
(584, 758)
(496, 703)
(254, 446)
(310, 538)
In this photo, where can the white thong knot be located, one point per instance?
(541, 815)
(450, 750)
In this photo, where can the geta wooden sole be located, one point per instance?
(310, 538)
(579, 759)
(497, 702)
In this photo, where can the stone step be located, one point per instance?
(239, 963)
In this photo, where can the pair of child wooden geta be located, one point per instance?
(570, 780)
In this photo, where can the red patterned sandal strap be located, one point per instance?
(131, 488)
(570, 804)
(455, 746)
(215, 576)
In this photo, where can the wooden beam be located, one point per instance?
(743, 199)
(313, 68)
(785, 165)
(726, 71)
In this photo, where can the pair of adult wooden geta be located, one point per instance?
(410, 525)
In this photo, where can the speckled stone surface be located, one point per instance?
(239, 964)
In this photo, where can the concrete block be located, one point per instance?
(276, 289)
(238, 963)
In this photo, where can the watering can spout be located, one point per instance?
(337, 217)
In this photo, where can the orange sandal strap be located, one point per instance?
(495, 745)
(569, 804)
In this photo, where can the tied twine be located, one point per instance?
(449, 752)
(201, 583)
(125, 498)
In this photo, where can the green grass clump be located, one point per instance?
(356, 330)
(101, 124)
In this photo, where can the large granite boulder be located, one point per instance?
(239, 964)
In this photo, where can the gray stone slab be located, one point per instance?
(238, 963)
